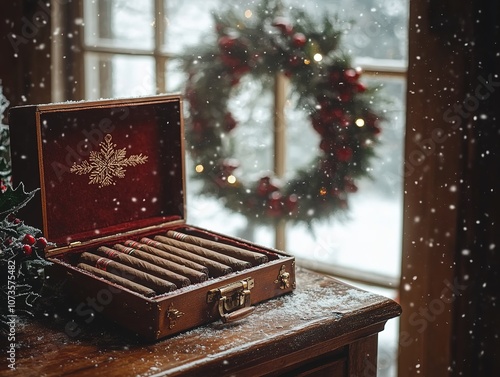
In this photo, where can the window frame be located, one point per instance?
(159, 55)
(373, 68)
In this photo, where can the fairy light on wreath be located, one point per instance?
(340, 108)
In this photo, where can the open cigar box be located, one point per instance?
(112, 199)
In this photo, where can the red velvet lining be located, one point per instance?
(148, 194)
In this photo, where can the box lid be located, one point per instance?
(105, 167)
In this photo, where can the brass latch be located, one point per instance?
(233, 300)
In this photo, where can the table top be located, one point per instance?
(321, 309)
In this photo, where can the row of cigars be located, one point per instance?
(164, 263)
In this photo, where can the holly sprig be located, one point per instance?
(21, 255)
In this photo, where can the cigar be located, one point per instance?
(234, 263)
(143, 278)
(135, 246)
(193, 275)
(179, 280)
(118, 280)
(215, 268)
(237, 252)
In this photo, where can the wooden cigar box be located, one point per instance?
(112, 172)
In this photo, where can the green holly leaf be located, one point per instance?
(14, 199)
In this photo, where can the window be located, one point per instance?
(130, 48)
(128, 45)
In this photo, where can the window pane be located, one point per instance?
(374, 29)
(119, 23)
(113, 75)
(187, 22)
(175, 77)
(378, 27)
(370, 239)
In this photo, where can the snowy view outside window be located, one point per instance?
(369, 240)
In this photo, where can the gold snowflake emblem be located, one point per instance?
(107, 164)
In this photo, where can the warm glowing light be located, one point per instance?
(360, 122)
(248, 13)
(231, 179)
(199, 168)
(322, 191)
(307, 61)
(318, 57)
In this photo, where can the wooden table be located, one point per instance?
(324, 328)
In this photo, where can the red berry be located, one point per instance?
(283, 24)
(226, 42)
(29, 239)
(350, 186)
(266, 187)
(360, 87)
(291, 202)
(41, 243)
(351, 74)
(229, 122)
(274, 204)
(376, 129)
(299, 39)
(344, 154)
(27, 249)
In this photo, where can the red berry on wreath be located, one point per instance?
(283, 24)
(241, 68)
(351, 75)
(235, 81)
(349, 185)
(275, 204)
(231, 61)
(230, 164)
(299, 40)
(27, 250)
(226, 42)
(229, 122)
(291, 202)
(265, 187)
(344, 154)
(360, 87)
(29, 239)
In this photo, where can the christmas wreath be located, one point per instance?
(262, 44)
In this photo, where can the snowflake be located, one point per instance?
(107, 164)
